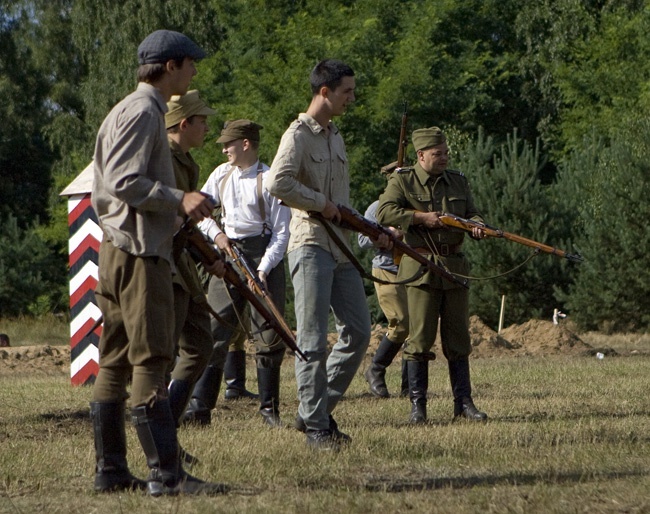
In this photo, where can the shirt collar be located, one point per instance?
(251, 170)
(424, 177)
(155, 92)
(316, 127)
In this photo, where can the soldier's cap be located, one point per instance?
(166, 45)
(389, 168)
(427, 137)
(181, 107)
(240, 129)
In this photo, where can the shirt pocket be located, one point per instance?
(456, 204)
(422, 201)
(319, 165)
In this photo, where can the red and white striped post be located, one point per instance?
(83, 249)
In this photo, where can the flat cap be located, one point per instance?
(166, 45)
(181, 107)
(427, 137)
(240, 129)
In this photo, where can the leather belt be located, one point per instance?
(442, 249)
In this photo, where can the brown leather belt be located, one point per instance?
(442, 249)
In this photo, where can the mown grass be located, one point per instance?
(564, 435)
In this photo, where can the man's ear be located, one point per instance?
(246, 144)
(183, 124)
(324, 92)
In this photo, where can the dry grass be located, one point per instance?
(565, 435)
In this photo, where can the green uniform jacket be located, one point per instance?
(413, 189)
(186, 172)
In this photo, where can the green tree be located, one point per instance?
(612, 184)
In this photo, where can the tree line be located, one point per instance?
(544, 104)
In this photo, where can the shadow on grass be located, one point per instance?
(391, 485)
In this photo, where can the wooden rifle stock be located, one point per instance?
(241, 261)
(352, 220)
(451, 220)
(210, 255)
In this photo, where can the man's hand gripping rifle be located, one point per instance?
(209, 255)
(454, 221)
(352, 220)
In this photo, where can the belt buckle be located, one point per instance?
(444, 249)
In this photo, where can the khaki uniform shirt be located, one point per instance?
(134, 192)
(413, 189)
(310, 167)
(186, 172)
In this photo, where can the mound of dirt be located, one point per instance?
(38, 360)
(537, 337)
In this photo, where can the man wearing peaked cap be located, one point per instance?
(412, 201)
(258, 225)
(240, 129)
(186, 122)
(138, 221)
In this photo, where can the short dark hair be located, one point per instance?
(328, 73)
(152, 72)
(175, 129)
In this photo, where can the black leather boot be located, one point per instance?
(111, 469)
(157, 434)
(418, 375)
(268, 382)
(462, 389)
(234, 372)
(376, 373)
(179, 393)
(404, 393)
(204, 397)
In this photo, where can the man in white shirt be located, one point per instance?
(255, 221)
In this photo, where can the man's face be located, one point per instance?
(183, 76)
(196, 130)
(342, 96)
(434, 160)
(234, 150)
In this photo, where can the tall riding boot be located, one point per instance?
(405, 381)
(111, 469)
(234, 373)
(376, 373)
(157, 434)
(179, 392)
(418, 374)
(462, 389)
(204, 396)
(268, 381)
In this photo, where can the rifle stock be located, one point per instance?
(210, 255)
(242, 262)
(352, 220)
(452, 220)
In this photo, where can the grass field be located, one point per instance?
(565, 434)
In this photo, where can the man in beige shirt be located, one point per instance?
(310, 173)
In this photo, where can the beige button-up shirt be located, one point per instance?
(134, 192)
(311, 167)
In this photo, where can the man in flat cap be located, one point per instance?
(258, 225)
(412, 201)
(187, 125)
(138, 205)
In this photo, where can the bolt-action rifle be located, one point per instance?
(259, 288)
(209, 255)
(452, 220)
(352, 220)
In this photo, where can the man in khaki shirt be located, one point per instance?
(310, 173)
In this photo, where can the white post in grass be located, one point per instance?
(502, 313)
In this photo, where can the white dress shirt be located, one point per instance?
(241, 212)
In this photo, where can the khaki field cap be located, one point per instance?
(166, 45)
(240, 129)
(427, 137)
(182, 107)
